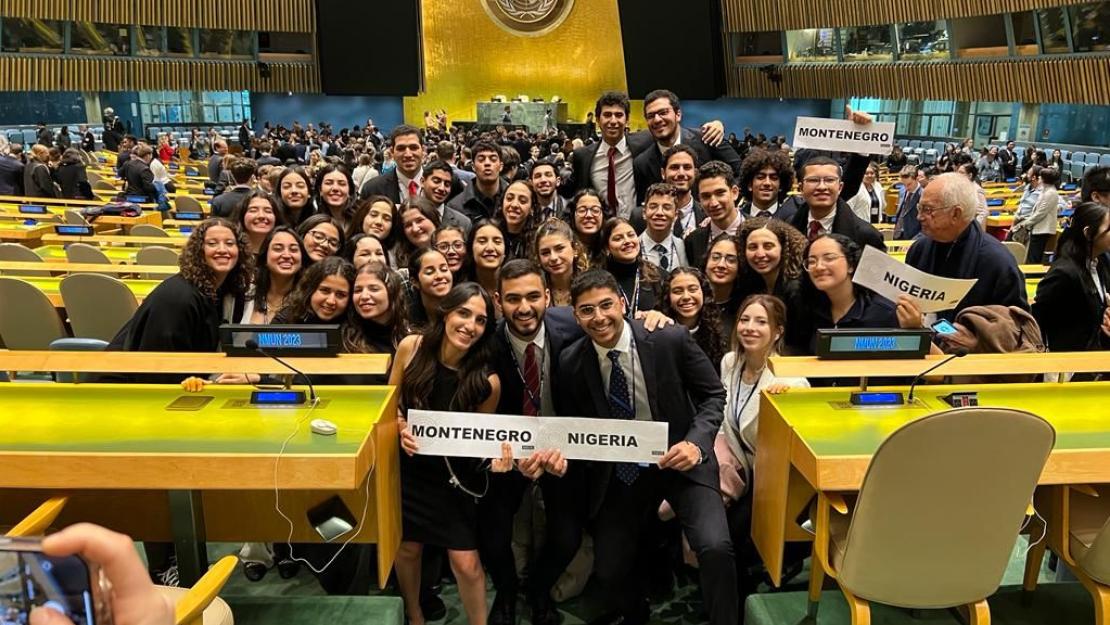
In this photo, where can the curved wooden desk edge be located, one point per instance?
(188, 362)
(972, 364)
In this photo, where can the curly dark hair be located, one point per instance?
(298, 307)
(195, 270)
(757, 161)
(354, 338)
(709, 335)
(792, 242)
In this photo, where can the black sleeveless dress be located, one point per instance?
(433, 511)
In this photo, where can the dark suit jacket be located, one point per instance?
(1068, 308)
(975, 254)
(560, 330)
(225, 203)
(788, 207)
(468, 203)
(845, 223)
(582, 160)
(683, 390)
(648, 165)
(906, 225)
(385, 184)
(37, 180)
(140, 180)
(11, 176)
(74, 181)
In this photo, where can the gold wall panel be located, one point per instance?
(467, 58)
(765, 15)
(1071, 80)
(266, 15)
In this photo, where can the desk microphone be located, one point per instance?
(959, 353)
(253, 344)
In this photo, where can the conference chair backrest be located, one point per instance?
(77, 345)
(186, 204)
(86, 253)
(103, 185)
(27, 318)
(148, 230)
(941, 506)
(1017, 250)
(1095, 561)
(20, 253)
(97, 305)
(156, 255)
(75, 218)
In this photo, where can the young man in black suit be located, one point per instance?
(528, 342)
(766, 176)
(680, 169)
(616, 372)
(481, 199)
(663, 113)
(824, 211)
(405, 180)
(715, 187)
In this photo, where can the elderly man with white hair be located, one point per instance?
(955, 246)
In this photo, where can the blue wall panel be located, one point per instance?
(771, 117)
(339, 111)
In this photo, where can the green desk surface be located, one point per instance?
(115, 254)
(1077, 410)
(51, 285)
(9, 226)
(120, 419)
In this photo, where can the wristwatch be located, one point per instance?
(701, 452)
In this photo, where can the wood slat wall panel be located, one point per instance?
(1071, 80)
(41, 73)
(757, 16)
(264, 15)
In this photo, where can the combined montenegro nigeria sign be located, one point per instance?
(477, 435)
(841, 135)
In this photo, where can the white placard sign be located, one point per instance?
(476, 435)
(842, 135)
(892, 278)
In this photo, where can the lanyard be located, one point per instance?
(537, 402)
(737, 407)
(632, 305)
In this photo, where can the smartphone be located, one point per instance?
(943, 326)
(69, 585)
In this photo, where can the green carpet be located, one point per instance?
(323, 610)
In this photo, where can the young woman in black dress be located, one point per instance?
(445, 369)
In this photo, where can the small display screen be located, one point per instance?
(33, 209)
(876, 343)
(74, 230)
(277, 397)
(864, 399)
(185, 229)
(189, 216)
(137, 199)
(283, 340)
(29, 579)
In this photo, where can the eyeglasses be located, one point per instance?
(587, 210)
(660, 113)
(451, 246)
(728, 259)
(929, 210)
(825, 260)
(588, 311)
(322, 239)
(827, 181)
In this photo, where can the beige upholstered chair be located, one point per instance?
(1018, 251)
(23, 254)
(27, 318)
(75, 218)
(86, 253)
(187, 204)
(97, 305)
(1079, 532)
(148, 230)
(936, 518)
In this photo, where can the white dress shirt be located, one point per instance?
(633, 371)
(403, 184)
(826, 222)
(547, 406)
(626, 183)
(714, 231)
(673, 248)
(686, 216)
(755, 210)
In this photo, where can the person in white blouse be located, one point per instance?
(869, 204)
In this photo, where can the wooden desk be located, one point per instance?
(57, 253)
(110, 239)
(972, 364)
(812, 439)
(51, 287)
(68, 267)
(31, 236)
(129, 462)
(51, 201)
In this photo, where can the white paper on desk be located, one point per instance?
(477, 435)
(842, 135)
(892, 278)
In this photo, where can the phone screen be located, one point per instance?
(29, 579)
(944, 327)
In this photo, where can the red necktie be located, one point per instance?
(814, 230)
(413, 189)
(611, 187)
(532, 381)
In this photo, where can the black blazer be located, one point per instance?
(1069, 309)
(582, 160)
(11, 176)
(385, 184)
(697, 246)
(560, 330)
(691, 400)
(648, 166)
(845, 222)
(140, 180)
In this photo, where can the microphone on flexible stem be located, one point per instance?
(959, 353)
(253, 344)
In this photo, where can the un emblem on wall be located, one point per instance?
(528, 18)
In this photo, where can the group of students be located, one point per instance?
(510, 299)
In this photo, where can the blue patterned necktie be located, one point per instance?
(621, 407)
